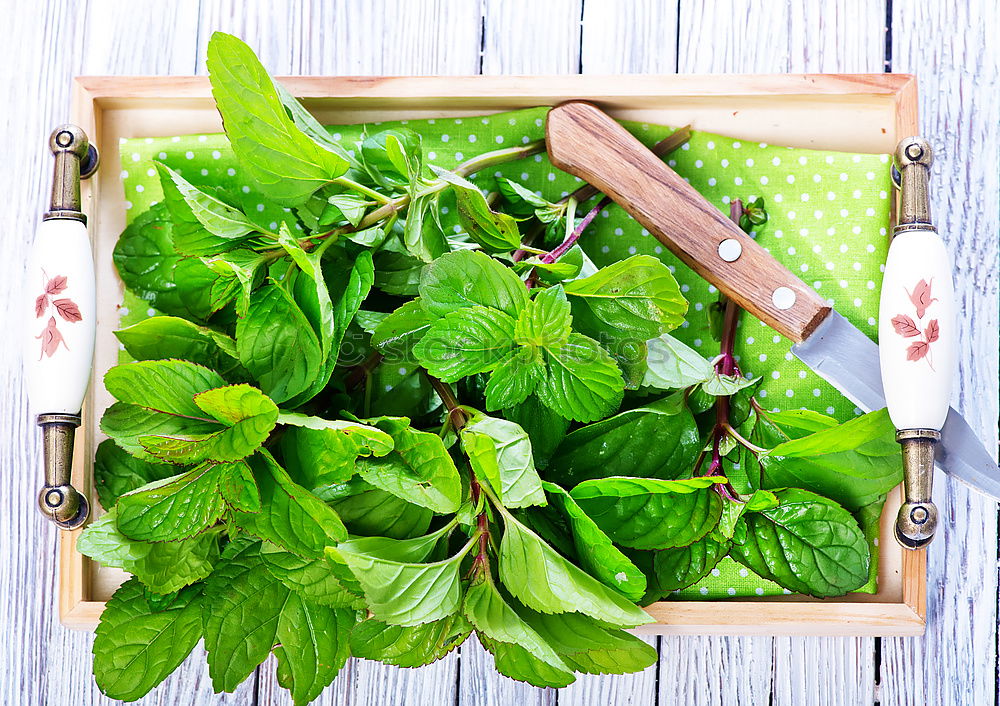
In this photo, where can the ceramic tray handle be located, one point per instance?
(917, 340)
(60, 315)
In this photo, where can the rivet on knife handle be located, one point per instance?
(60, 312)
(589, 144)
(917, 340)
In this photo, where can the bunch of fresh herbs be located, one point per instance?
(551, 460)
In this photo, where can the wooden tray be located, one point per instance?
(856, 113)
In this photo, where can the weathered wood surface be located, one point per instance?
(951, 47)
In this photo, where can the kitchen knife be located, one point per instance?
(587, 143)
(916, 332)
(60, 314)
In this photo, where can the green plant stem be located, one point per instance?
(458, 418)
(361, 189)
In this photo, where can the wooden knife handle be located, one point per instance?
(587, 143)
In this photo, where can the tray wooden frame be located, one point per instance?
(860, 113)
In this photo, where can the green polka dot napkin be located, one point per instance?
(827, 223)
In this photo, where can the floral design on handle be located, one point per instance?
(906, 327)
(65, 307)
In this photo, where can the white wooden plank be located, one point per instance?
(953, 51)
(740, 36)
(629, 36)
(529, 37)
(351, 37)
(139, 37)
(723, 671)
(830, 670)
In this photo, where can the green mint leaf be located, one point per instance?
(581, 380)
(277, 345)
(406, 593)
(647, 513)
(680, 567)
(587, 646)
(238, 273)
(418, 470)
(304, 120)
(163, 567)
(422, 234)
(368, 510)
(168, 386)
(500, 451)
(514, 378)
(545, 321)
(413, 646)
(116, 472)
(243, 604)
(174, 508)
(290, 516)
(344, 207)
(467, 278)
(597, 555)
(657, 440)
(672, 365)
(632, 300)
(522, 200)
(545, 428)
(372, 237)
(732, 511)
(248, 611)
(165, 337)
(284, 162)
(466, 342)
(152, 269)
(351, 292)
(567, 267)
(543, 580)
(178, 411)
(322, 451)
(127, 424)
(239, 489)
(392, 158)
(398, 272)
(796, 423)
(494, 231)
(490, 614)
(807, 544)
(397, 334)
(517, 663)
(413, 550)
(313, 644)
(319, 310)
(196, 210)
(854, 463)
(138, 644)
(247, 417)
(727, 385)
(314, 579)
